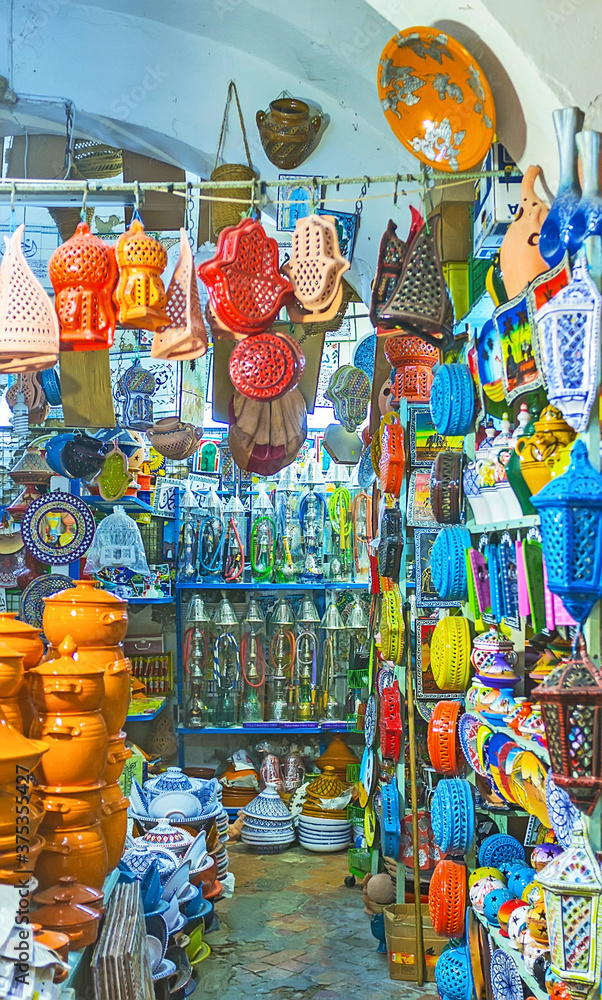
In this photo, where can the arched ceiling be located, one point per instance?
(152, 76)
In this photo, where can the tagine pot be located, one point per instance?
(90, 615)
(288, 131)
(114, 821)
(66, 686)
(8, 811)
(79, 851)
(77, 748)
(70, 807)
(11, 671)
(16, 749)
(78, 922)
(78, 891)
(117, 755)
(11, 708)
(23, 638)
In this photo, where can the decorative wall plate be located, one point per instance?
(32, 598)
(57, 528)
(490, 362)
(505, 977)
(436, 99)
(370, 719)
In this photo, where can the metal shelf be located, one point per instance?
(502, 942)
(218, 585)
(527, 521)
(131, 505)
(147, 716)
(149, 600)
(267, 727)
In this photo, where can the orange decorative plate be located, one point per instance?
(436, 99)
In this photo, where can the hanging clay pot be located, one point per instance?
(29, 324)
(520, 259)
(186, 337)
(288, 131)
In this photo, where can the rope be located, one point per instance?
(232, 90)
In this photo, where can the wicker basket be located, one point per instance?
(237, 201)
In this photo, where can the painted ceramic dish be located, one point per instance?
(436, 99)
(57, 528)
(32, 599)
(490, 362)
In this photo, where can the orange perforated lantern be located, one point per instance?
(447, 899)
(413, 360)
(443, 739)
(83, 273)
(392, 459)
(140, 294)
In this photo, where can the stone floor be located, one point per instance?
(293, 930)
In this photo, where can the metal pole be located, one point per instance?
(414, 796)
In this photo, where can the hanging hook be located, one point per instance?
(82, 213)
(136, 212)
(395, 193)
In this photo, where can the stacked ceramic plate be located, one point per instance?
(223, 823)
(324, 835)
(268, 825)
(223, 862)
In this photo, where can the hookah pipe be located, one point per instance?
(244, 654)
(187, 642)
(290, 639)
(327, 671)
(263, 524)
(230, 643)
(361, 536)
(338, 512)
(311, 640)
(234, 564)
(208, 524)
(308, 540)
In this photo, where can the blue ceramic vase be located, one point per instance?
(586, 220)
(554, 235)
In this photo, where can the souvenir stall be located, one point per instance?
(282, 569)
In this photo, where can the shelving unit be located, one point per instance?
(146, 716)
(503, 943)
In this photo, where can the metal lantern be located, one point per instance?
(571, 699)
(306, 659)
(252, 663)
(334, 668)
(190, 516)
(570, 507)
(572, 886)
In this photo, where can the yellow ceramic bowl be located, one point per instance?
(480, 873)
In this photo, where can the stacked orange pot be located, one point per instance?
(97, 621)
(20, 807)
(20, 639)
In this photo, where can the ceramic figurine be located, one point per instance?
(520, 259)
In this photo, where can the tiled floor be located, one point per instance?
(293, 930)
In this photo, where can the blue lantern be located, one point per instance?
(571, 525)
(452, 399)
(448, 563)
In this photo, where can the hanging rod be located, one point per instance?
(67, 193)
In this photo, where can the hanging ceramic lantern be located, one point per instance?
(246, 289)
(136, 388)
(83, 273)
(29, 327)
(391, 255)
(571, 699)
(413, 360)
(570, 508)
(569, 339)
(140, 294)
(452, 400)
(186, 337)
(572, 886)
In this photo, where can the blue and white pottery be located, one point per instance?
(569, 343)
(174, 804)
(177, 881)
(172, 780)
(197, 851)
(586, 220)
(157, 927)
(555, 234)
(164, 970)
(267, 804)
(139, 857)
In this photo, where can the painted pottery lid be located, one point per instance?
(8, 653)
(86, 592)
(64, 913)
(550, 420)
(166, 835)
(66, 664)
(327, 786)
(336, 755)
(15, 746)
(68, 886)
(268, 805)
(492, 640)
(172, 779)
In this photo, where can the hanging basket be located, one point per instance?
(229, 213)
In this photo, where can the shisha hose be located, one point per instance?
(327, 672)
(360, 536)
(209, 565)
(244, 652)
(230, 643)
(186, 644)
(265, 522)
(234, 564)
(338, 512)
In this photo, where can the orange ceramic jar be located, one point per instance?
(77, 748)
(23, 638)
(114, 821)
(8, 813)
(117, 668)
(11, 862)
(116, 757)
(11, 671)
(12, 711)
(79, 851)
(64, 686)
(16, 749)
(90, 615)
(70, 806)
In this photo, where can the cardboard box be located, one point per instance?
(455, 231)
(496, 202)
(400, 931)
